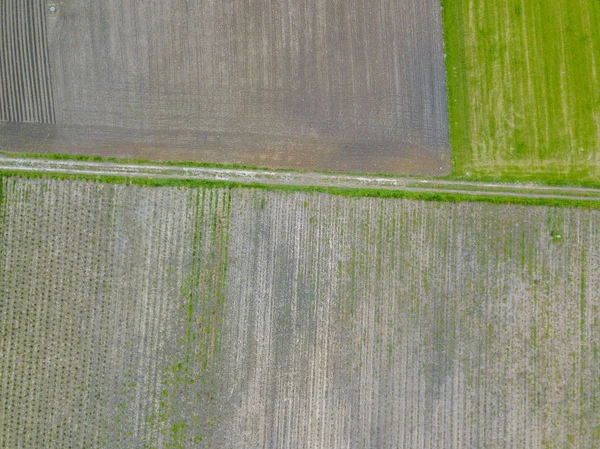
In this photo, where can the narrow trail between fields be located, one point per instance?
(299, 179)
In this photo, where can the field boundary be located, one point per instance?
(302, 180)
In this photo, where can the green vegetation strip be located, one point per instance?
(518, 189)
(524, 89)
(84, 158)
(346, 192)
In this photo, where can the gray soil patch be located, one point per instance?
(173, 317)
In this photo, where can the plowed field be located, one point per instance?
(172, 317)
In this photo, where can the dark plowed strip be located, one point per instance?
(25, 84)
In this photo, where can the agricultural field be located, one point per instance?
(172, 306)
(163, 317)
(524, 88)
(354, 85)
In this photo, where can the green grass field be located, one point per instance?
(524, 88)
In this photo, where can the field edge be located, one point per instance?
(452, 197)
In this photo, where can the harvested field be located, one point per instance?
(524, 88)
(356, 85)
(172, 317)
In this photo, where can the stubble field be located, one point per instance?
(171, 317)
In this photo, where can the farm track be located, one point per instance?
(299, 179)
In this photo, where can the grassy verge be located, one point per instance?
(346, 192)
(554, 180)
(456, 78)
(84, 158)
(511, 188)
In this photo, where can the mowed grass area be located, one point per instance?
(524, 91)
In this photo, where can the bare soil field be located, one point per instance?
(356, 85)
(172, 317)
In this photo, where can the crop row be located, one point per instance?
(172, 317)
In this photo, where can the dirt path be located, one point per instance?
(303, 179)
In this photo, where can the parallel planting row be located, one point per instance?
(172, 317)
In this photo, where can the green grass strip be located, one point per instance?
(346, 192)
(456, 78)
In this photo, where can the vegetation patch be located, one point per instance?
(524, 89)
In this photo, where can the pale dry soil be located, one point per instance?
(138, 317)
